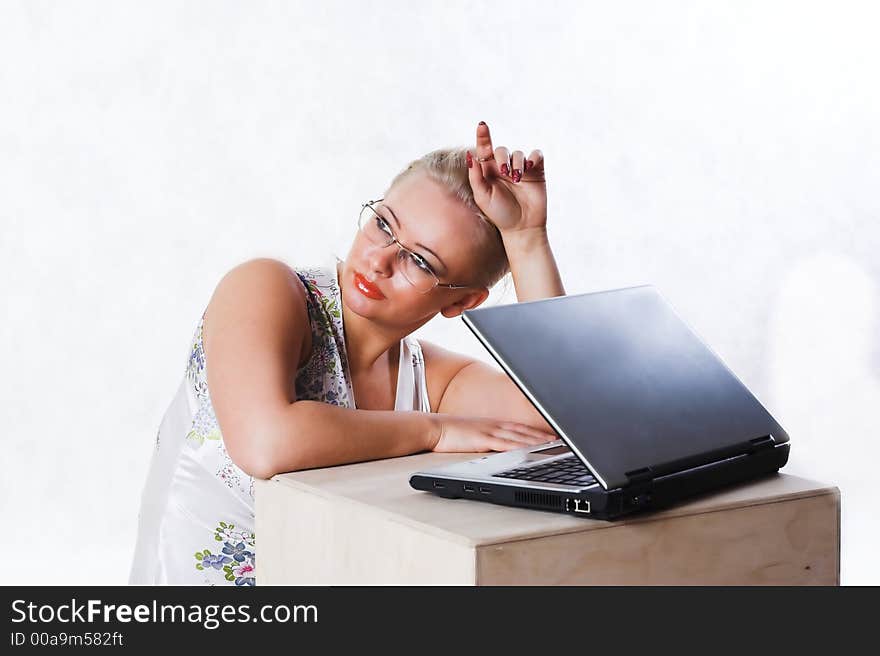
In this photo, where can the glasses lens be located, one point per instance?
(375, 227)
(378, 230)
(415, 271)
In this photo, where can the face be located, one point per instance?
(437, 227)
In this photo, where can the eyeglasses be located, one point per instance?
(413, 266)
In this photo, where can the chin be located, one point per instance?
(357, 303)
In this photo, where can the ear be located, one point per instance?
(467, 302)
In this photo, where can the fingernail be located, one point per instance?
(482, 122)
(529, 164)
(504, 169)
(470, 160)
(517, 175)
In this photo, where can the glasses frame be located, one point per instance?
(401, 247)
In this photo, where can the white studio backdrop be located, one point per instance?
(725, 152)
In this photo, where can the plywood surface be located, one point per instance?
(381, 489)
(305, 539)
(794, 542)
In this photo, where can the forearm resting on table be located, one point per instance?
(309, 434)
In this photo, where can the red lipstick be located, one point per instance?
(367, 288)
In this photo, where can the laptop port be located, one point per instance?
(468, 488)
(581, 506)
(439, 485)
(485, 490)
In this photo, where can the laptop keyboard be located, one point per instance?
(565, 471)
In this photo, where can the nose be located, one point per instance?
(381, 259)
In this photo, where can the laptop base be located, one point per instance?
(597, 503)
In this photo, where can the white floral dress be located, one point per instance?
(196, 522)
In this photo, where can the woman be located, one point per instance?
(316, 367)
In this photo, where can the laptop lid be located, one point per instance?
(624, 381)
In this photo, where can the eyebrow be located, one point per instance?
(445, 269)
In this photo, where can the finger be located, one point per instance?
(525, 428)
(535, 438)
(479, 185)
(508, 434)
(542, 438)
(515, 436)
(502, 160)
(516, 165)
(499, 444)
(536, 157)
(485, 149)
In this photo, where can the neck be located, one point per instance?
(366, 342)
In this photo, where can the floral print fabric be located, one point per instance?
(196, 523)
(236, 559)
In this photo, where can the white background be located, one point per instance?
(725, 152)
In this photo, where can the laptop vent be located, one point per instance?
(539, 500)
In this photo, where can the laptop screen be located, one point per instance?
(624, 381)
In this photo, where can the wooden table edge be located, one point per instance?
(663, 514)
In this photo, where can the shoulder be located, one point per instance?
(262, 291)
(442, 358)
(261, 267)
(441, 366)
(260, 280)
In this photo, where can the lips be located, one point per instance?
(367, 288)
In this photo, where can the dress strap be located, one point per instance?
(412, 387)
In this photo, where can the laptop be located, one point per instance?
(646, 413)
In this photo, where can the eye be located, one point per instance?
(421, 263)
(383, 225)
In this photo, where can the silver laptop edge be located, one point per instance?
(568, 442)
(484, 469)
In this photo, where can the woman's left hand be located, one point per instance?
(510, 190)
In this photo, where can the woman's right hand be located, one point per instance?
(479, 434)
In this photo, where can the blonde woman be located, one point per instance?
(295, 368)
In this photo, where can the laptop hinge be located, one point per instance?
(640, 480)
(761, 444)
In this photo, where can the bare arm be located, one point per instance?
(532, 265)
(256, 330)
(317, 434)
(479, 389)
(514, 198)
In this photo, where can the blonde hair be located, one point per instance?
(448, 167)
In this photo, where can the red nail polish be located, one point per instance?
(529, 164)
(470, 160)
(517, 175)
(482, 122)
(504, 169)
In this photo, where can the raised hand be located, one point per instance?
(510, 189)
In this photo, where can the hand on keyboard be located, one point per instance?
(478, 434)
